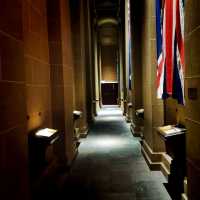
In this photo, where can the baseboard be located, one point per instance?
(134, 131)
(72, 160)
(156, 161)
(184, 197)
(166, 159)
(185, 186)
(84, 133)
(128, 118)
(154, 166)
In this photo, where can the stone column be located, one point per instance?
(84, 45)
(121, 66)
(89, 63)
(99, 72)
(137, 94)
(128, 93)
(153, 145)
(125, 70)
(79, 54)
(62, 77)
(56, 76)
(96, 70)
(68, 78)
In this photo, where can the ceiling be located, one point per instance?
(107, 8)
(107, 13)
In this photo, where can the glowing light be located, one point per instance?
(46, 132)
(107, 21)
(109, 118)
(110, 112)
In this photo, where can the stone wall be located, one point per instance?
(36, 84)
(192, 81)
(109, 63)
(13, 125)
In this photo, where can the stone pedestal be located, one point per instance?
(129, 112)
(176, 148)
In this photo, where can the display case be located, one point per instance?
(140, 113)
(175, 142)
(39, 143)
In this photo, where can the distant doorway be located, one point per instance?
(109, 92)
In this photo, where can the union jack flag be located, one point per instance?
(170, 49)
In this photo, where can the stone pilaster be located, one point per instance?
(153, 146)
(192, 88)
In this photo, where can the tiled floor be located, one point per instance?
(110, 165)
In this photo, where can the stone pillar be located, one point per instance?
(56, 76)
(62, 73)
(78, 23)
(153, 145)
(128, 93)
(121, 66)
(96, 70)
(68, 70)
(192, 88)
(84, 45)
(137, 93)
(126, 62)
(89, 63)
(100, 72)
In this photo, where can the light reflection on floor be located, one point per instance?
(107, 142)
(110, 157)
(109, 111)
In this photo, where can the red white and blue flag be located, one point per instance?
(129, 47)
(170, 49)
(160, 56)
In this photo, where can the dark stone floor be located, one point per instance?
(109, 166)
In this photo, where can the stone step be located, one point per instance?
(165, 170)
(166, 159)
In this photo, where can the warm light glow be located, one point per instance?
(107, 21)
(46, 132)
(110, 112)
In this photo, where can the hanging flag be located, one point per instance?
(170, 49)
(169, 32)
(179, 61)
(130, 64)
(160, 56)
(129, 48)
